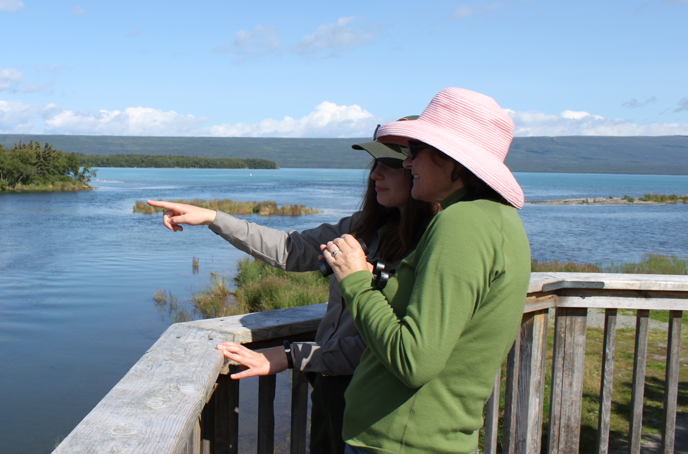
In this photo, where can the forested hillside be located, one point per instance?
(636, 155)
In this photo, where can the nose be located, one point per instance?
(408, 162)
(377, 173)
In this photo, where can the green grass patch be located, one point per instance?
(266, 208)
(650, 264)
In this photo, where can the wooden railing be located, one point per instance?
(178, 397)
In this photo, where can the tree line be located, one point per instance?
(30, 165)
(185, 162)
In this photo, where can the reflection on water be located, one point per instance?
(78, 271)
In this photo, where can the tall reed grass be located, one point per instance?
(266, 208)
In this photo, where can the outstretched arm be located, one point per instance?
(268, 361)
(179, 213)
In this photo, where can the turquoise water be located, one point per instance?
(78, 270)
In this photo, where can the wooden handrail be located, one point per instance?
(175, 399)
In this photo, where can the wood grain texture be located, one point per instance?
(638, 386)
(492, 417)
(509, 434)
(671, 382)
(606, 379)
(567, 380)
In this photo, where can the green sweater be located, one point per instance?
(438, 332)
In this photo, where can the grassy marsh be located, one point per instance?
(266, 208)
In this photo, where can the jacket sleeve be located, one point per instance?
(338, 356)
(450, 276)
(291, 251)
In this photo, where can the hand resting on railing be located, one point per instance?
(267, 361)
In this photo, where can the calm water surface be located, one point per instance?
(78, 270)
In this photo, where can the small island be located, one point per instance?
(174, 162)
(647, 199)
(32, 167)
(267, 208)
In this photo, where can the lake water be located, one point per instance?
(78, 270)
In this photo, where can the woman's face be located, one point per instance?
(391, 185)
(432, 175)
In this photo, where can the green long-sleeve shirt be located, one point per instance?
(438, 332)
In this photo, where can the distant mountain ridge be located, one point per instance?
(664, 155)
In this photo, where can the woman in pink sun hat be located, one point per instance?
(438, 332)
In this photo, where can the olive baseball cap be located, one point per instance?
(391, 155)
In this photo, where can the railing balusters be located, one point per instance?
(671, 382)
(266, 414)
(226, 439)
(567, 380)
(492, 417)
(638, 386)
(511, 398)
(607, 377)
(299, 412)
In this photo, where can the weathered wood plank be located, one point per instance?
(266, 414)
(545, 282)
(226, 440)
(607, 301)
(492, 417)
(299, 412)
(638, 386)
(260, 326)
(193, 446)
(606, 379)
(155, 406)
(511, 398)
(671, 382)
(567, 380)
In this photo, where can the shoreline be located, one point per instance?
(601, 201)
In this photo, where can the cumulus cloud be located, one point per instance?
(682, 105)
(78, 10)
(132, 121)
(464, 11)
(19, 118)
(10, 6)
(9, 77)
(634, 103)
(327, 120)
(333, 38)
(571, 123)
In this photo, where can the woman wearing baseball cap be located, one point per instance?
(438, 332)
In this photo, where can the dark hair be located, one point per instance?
(401, 234)
(475, 187)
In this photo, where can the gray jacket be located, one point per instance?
(338, 346)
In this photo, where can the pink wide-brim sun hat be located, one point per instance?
(469, 127)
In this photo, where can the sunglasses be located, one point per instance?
(416, 147)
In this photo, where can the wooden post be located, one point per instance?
(226, 415)
(492, 417)
(638, 387)
(299, 412)
(607, 377)
(531, 382)
(266, 414)
(671, 382)
(511, 398)
(567, 380)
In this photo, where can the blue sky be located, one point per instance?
(337, 69)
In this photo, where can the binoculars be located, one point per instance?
(380, 274)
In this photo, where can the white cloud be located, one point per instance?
(10, 6)
(570, 123)
(464, 11)
(19, 118)
(334, 38)
(8, 77)
(327, 120)
(133, 33)
(132, 121)
(78, 10)
(35, 88)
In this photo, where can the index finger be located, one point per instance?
(161, 204)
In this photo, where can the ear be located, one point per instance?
(456, 172)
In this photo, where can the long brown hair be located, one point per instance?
(402, 232)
